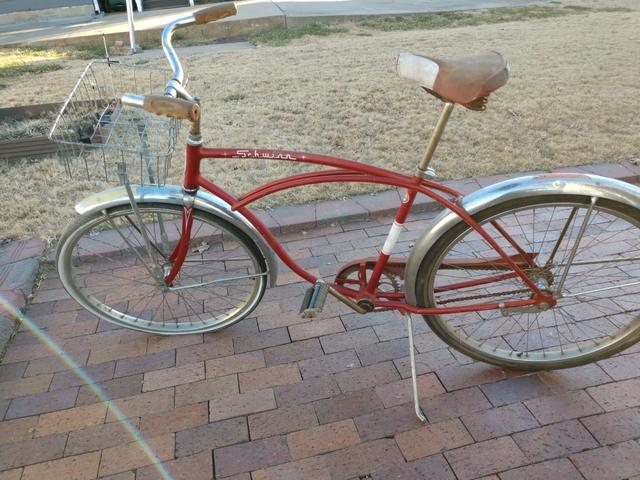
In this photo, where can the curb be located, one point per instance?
(19, 261)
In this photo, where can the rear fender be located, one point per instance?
(529, 186)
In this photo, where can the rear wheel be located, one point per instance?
(105, 266)
(598, 307)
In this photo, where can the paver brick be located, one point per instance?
(614, 427)
(170, 377)
(132, 455)
(260, 340)
(141, 404)
(14, 474)
(280, 319)
(348, 340)
(306, 391)
(206, 390)
(282, 421)
(622, 367)
(54, 364)
(112, 389)
(28, 452)
(499, 421)
(245, 362)
(383, 351)
(79, 329)
(348, 405)
(216, 348)
(71, 419)
(246, 457)
(314, 468)
(614, 461)
(387, 423)
(559, 468)
(80, 467)
(398, 329)
(241, 404)
(316, 328)
(429, 468)
(322, 439)
(196, 467)
(617, 396)
(75, 378)
(431, 439)
(293, 352)
(25, 386)
(329, 364)
(145, 363)
(180, 418)
(42, 403)
(269, 377)
(211, 436)
(101, 436)
(93, 342)
(426, 362)
(557, 408)
(161, 343)
(26, 353)
(366, 377)
(397, 393)
(556, 440)
(515, 390)
(485, 458)
(12, 371)
(363, 459)
(454, 404)
(575, 378)
(471, 375)
(17, 430)
(356, 321)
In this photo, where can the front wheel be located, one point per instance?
(598, 290)
(105, 265)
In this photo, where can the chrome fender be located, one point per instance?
(173, 194)
(529, 186)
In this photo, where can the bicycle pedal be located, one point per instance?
(314, 300)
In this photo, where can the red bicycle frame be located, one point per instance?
(343, 170)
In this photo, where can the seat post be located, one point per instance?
(436, 135)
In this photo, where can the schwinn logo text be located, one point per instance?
(268, 155)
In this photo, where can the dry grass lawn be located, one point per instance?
(572, 99)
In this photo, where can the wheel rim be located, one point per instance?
(588, 321)
(109, 279)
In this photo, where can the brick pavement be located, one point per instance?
(276, 398)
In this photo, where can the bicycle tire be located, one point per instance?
(598, 314)
(220, 283)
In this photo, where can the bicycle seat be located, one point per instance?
(466, 80)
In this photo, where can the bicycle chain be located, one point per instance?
(478, 297)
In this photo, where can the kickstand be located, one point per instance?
(414, 377)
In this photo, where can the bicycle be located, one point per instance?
(534, 273)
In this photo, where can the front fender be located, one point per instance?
(174, 195)
(529, 186)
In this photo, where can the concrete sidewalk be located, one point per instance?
(253, 16)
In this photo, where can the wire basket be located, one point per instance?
(100, 139)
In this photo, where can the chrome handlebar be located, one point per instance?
(175, 86)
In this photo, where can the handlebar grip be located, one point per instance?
(172, 107)
(216, 12)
